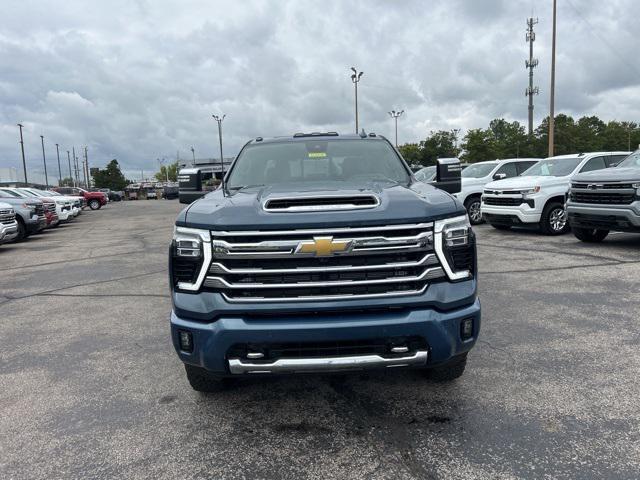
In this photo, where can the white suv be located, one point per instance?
(477, 175)
(537, 197)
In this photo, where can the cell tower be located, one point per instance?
(530, 65)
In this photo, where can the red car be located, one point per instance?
(95, 200)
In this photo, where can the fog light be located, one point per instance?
(466, 328)
(186, 341)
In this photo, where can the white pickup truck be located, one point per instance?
(537, 197)
(8, 223)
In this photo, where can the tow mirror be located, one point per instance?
(448, 175)
(500, 176)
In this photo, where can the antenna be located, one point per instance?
(530, 64)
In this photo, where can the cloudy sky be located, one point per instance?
(138, 80)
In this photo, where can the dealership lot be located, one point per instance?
(90, 386)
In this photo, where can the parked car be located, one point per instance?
(477, 175)
(323, 254)
(95, 200)
(48, 203)
(29, 213)
(8, 223)
(170, 192)
(426, 174)
(64, 206)
(151, 193)
(606, 200)
(537, 197)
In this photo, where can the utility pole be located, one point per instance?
(193, 152)
(455, 132)
(75, 166)
(86, 163)
(393, 114)
(70, 174)
(24, 162)
(553, 84)
(530, 65)
(355, 79)
(44, 160)
(219, 120)
(59, 169)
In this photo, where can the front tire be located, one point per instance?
(94, 204)
(202, 380)
(22, 231)
(590, 235)
(449, 371)
(473, 209)
(554, 219)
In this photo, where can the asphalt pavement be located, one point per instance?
(90, 386)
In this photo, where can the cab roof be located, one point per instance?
(302, 137)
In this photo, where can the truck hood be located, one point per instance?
(526, 182)
(19, 201)
(243, 210)
(618, 174)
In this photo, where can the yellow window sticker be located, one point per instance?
(317, 154)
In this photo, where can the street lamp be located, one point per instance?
(193, 152)
(59, 169)
(44, 160)
(24, 162)
(70, 174)
(456, 131)
(355, 79)
(395, 116)
(219, 120)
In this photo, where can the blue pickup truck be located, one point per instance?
(322, 253)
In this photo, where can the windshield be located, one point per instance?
(28, 193)
(553, 167)
(478, 170)
(13, 193)
(317, 161)
(425, 174)
(53, 193)
(632, 160)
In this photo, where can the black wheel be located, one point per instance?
(590, 235)
(554, 219)
(22, 230)
(448, 372)
(94, 204)
(473, 209)
(203, 381)
(501, 227)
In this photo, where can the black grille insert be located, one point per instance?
(302, 203)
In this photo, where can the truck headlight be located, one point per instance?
(58, 202)
(531, 191)
(454, 243)
(190, 257)
(637, 187)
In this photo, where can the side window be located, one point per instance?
(523, 166)
(509, 169)
(596, 163)
(613, 160)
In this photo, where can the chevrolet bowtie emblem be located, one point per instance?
(324, 246)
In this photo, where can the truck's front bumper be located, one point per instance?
(8, 231)
(212, 342)
(623, 218)
(510, 215)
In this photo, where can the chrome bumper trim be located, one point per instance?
(328, 364)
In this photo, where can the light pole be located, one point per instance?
(24, 162)
(193, 152)
(44, 160)
(59, 169)
(86, 165)
(219, 120)
(355, 79)
(70, 174)
(395, 116)
(553, 84)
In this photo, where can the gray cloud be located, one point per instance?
(140, 80)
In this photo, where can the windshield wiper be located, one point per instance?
(237, 188)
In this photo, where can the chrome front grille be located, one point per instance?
(603, 193)
(7, 217)
(50, 207)
(307, 265)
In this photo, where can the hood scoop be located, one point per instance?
(320, 203)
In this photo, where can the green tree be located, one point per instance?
(110, 177)
(411, 153)
(171, 170)
(439, 144)
(478, 145)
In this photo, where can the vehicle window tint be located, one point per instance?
(509, 169)
(613, 160)
(522, 166)
(596, 163)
